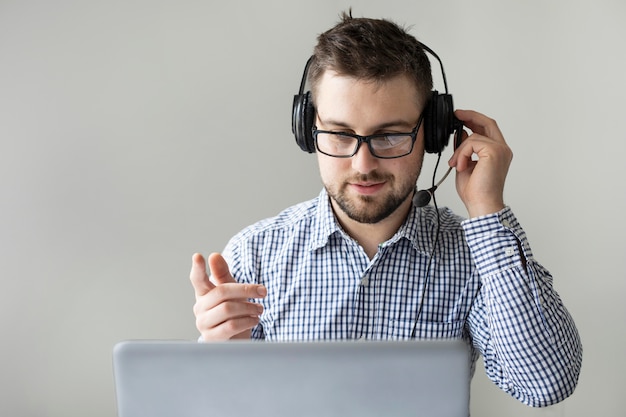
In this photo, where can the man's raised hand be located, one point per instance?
(222, 308)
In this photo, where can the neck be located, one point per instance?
(371, 235)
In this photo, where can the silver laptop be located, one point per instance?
(321, 379)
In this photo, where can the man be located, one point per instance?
(363, 261)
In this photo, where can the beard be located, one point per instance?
(368, 209)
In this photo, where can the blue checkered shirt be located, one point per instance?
(484, 286)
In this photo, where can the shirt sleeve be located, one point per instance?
(529, 342)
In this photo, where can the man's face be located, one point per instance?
(368, 189)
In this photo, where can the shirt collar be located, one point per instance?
(417, 228)
(325, 223)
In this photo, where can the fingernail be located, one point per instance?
(261, 290)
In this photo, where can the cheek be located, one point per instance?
(409, 170)
(330, 168)
(416, 158)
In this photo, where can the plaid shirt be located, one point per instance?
(483, 286)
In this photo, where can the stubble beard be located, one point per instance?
(368, 209)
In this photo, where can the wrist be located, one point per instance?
(479, 210)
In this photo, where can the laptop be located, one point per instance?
(288, 379)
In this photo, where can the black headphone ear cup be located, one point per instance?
(430, 118)
(302, 117)
(438, 122)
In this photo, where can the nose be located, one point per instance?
(363, 161)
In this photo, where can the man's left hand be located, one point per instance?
(482, 161)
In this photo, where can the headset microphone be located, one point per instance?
(422, 197)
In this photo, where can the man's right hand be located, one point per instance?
(222, 308)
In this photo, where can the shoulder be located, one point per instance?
(261, 244)
(291, 220)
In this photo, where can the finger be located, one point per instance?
(198, 276)
(479, 123)
(227, 311)
(233, 329)
(464, 152)
(219, 269)
(229, 292)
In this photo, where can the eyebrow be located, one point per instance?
(392, 123)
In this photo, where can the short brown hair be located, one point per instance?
(371, 49)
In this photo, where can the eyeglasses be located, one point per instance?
(381, 145)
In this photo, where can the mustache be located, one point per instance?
(373, 176)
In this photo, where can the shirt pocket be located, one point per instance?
(402, 329)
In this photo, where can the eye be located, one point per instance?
(341, 137)
(390, 141)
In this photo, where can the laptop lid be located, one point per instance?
(347, 378)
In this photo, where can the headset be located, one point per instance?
(439, 120)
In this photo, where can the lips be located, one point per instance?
(368, 188)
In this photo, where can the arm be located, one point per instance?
(529, 342)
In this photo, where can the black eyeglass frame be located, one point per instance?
(367, 139)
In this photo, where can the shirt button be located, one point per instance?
(506, 223)
(509, 251)
(365, 281)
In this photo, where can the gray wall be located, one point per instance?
(134, 133)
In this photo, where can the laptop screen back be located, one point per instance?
(234, 379)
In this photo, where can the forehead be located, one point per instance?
(365, 103)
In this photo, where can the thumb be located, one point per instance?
(198, 276)
(219, 269)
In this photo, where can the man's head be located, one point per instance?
(369, 77)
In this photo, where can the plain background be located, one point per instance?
(135, 133)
